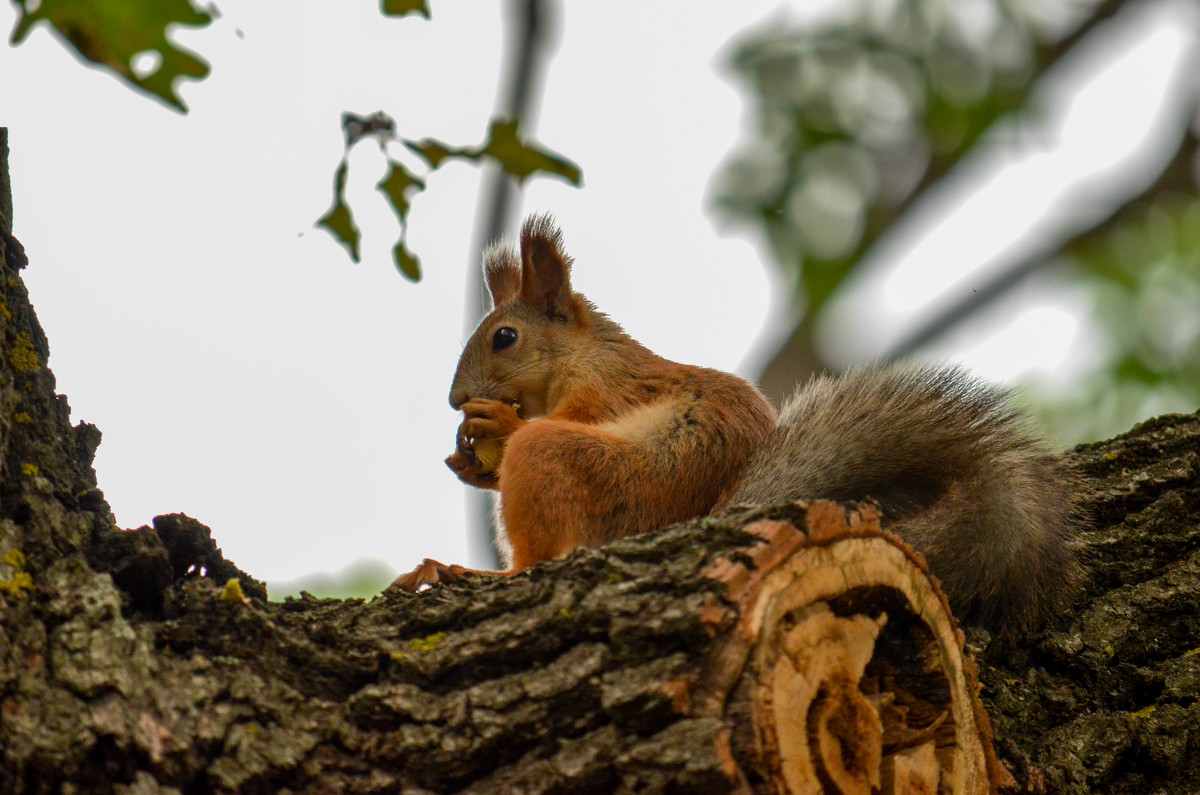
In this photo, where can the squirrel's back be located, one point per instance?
(955, 469)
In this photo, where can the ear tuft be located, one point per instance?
(541, 237)
(545, 266)
(502, 270)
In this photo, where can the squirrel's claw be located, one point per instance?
(467, 467)
(430, 573)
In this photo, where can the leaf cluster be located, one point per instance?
(503, 145)
(130, 39)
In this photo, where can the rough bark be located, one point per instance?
(1105, 699)
(673, 662)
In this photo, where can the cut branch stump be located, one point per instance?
(852, 666)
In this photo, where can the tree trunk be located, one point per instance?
(786, 649)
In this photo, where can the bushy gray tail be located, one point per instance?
(956, 470)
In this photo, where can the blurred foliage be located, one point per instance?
(399, 8)
(1143, 269)
(858, 117)
(362, 579)
(503, 145)
(124, 37)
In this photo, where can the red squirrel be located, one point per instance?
(590, 437)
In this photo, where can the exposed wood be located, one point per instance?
(851, 659)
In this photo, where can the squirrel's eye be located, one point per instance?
(503, 338)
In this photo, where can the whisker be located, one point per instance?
(528, 365)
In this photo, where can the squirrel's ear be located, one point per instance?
(545, 267)
(502, 270)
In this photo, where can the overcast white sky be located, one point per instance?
(245, 372)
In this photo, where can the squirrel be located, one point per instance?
(590, 437)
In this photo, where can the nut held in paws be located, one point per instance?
(489, 452)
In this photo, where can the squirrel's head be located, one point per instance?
(536, 327)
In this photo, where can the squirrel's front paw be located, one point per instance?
(431, 573)
(466, 464)
(481, 437)
(489, 419)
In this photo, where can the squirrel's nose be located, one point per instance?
(457, 398)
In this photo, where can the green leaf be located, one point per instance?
(399, 8)
(521, 160)
(397, 185)
(111, 32)
(406, 262)
(339, 222)
(503, 145)
(434, 152)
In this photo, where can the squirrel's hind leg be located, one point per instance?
(566, 485)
